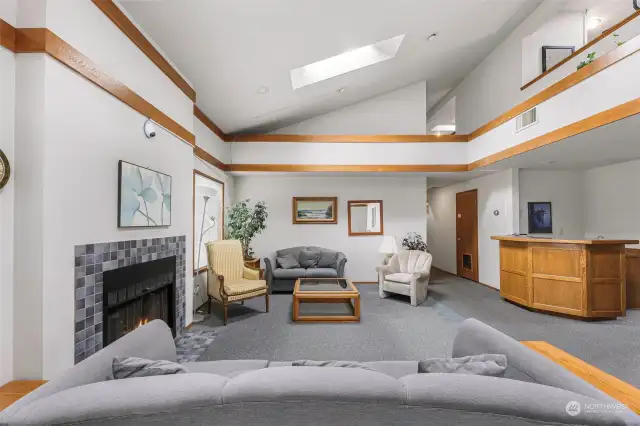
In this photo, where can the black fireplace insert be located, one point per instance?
(137, 294)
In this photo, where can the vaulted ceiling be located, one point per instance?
(229, 50)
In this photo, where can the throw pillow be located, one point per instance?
(128, 367)
(328, 259)
(287, 261)
(309, 259)
(341, 364)
(480, 365)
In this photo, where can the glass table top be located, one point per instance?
(325, 284)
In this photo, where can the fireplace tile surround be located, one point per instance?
(91, 260)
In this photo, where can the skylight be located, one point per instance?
(345, 62)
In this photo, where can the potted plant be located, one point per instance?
(245, 222)
(413, 241)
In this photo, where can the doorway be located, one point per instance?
(467, 234)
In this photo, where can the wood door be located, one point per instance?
(467, 234)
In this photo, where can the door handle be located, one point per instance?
(458, 238)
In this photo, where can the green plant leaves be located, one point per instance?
(244, 223)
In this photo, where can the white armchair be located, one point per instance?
(407, 273)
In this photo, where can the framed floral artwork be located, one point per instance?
(144, 197)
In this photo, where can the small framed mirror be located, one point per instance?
(365, 218)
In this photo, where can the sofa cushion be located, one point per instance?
(127, 367)
(334, 364)
(500, 396)
(481, 365)
(225, 367)
(152, 341)
(308, 258)
(313, 384)
(395, 369)
(104, 401)
(287, 261)
(321, 273)
(289, 274)
(400, 277)
(328, 259)
(294, 251)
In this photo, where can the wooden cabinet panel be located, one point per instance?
(633, 279)
(556, 261)
(514, 287)
(605, 264)
(513, 257)
(605, 297)
(556, 295)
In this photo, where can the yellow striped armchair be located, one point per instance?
(229, 279)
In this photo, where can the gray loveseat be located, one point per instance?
(283, 280)
(260, 392)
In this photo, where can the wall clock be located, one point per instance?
(5, 170)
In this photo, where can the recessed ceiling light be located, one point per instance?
(432, 37)
(262, 90)
(341, 90)
(594, 23)
(346, 62)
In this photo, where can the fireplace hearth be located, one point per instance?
(137, 294)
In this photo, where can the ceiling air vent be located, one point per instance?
(527, 119)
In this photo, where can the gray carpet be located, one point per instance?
(390, 329)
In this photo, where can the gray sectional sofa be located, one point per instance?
(283, 280)
(260, 392)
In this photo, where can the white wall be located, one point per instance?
(498, 191)
(402, 111)
(7, 199)
(493, 87)
(28, 232)
(348, 153)
(612, 201)
(565, 29)
(70, 135)
(92, 33)
(210, 142)
(404, 201)
(566, 191)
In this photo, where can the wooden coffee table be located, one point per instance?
(324, 294)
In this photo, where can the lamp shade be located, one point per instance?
(389, 245)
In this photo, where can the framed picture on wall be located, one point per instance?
(315, 210)
(144, 197)
(553, 55)
(208, 216)
(540, 219)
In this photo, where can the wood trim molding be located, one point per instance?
(209, 123)
(42, 40)
(7, 36)
(327, 168)
(600, 64)
(612, 386)
(349, 138)
(605, 117)
(205, 156)
(584, 48)
(113, 12)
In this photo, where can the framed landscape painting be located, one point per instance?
(144, 197)
(309, 210)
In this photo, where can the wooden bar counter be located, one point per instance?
(583, 278)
